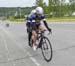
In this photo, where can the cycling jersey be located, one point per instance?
(34, 20)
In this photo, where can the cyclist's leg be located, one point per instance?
(29, 37)
(42, 28)
(28, 24)
(34, 34)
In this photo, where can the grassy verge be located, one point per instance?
(60, 19)
(16, 20)
(53, 19)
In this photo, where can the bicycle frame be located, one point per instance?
(40, 37)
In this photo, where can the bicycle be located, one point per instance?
(44, 44)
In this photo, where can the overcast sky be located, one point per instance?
(18, 3)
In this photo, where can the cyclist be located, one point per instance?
(28, 24)
(35, 20)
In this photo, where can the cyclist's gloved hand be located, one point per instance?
(27, 30)
(49, 29)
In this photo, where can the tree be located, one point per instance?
(54, 7)
(42, 4)
(39, 3)
(71, 1)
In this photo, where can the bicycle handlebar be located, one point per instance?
(43, 32)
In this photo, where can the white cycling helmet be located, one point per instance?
(39, 10)
(33, 12)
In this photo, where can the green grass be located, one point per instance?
(61, 19)
(16, 20)
(53, 19)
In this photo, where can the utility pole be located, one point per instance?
(20, 12)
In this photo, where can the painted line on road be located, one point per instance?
(5, 44)
(61, 22)
(32, 58)
(70, 30)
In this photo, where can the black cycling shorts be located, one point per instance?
(35, 25)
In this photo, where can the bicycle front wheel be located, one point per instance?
(46, 49)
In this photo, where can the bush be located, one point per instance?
(19, 17)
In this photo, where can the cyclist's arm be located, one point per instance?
(28, 23)
(45, 23)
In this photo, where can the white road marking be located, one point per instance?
(32, 58)
(70, 30)
(5, 43)
(61, 22)
(14, 64)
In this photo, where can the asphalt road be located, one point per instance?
(14, 49)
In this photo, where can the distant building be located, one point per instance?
(73, 14)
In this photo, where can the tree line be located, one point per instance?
(54, 8)
(17, 12)
(57, 8)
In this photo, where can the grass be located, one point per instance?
(53, 19)
(16, 20)
(60, 19)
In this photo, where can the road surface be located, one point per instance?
(14, 49)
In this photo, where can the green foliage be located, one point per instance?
(55, 8)
(19, 16)
(39, 3)
(60, 8)
(11, 11)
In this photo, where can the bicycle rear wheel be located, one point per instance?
(46, 49)
(31, 42)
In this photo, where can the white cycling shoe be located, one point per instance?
(34, 47)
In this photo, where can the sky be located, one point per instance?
(18, 3)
